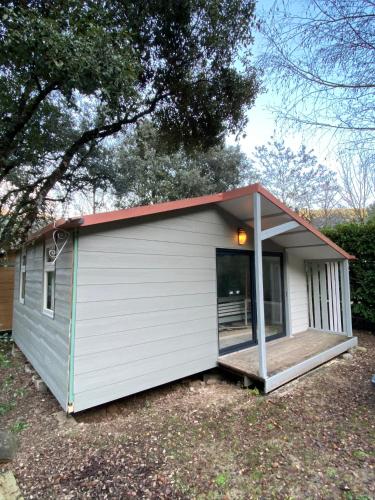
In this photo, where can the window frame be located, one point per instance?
(22, 285)
(48, 267)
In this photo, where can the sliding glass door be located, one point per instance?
(234, 300)
(236, 309)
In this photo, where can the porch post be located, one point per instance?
(257, 212)
(347, 313)
(288, 327)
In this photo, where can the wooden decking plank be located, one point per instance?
(282, 353)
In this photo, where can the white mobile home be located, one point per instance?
(111, 304)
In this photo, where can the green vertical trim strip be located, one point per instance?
(73, 318)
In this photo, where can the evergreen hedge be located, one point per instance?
(359, 240)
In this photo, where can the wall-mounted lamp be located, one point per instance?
(242, 236)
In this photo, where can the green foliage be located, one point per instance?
(19, 426)
(254, 391)
(222, 480)
(360, 454)
(8, 381)
(331, 472)
(4, 360)
(6, 407)
(348, 495)
(145, 172)
(20, 392)
(73, 74)
(359, 240)
(96, 176)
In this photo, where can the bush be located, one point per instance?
(359, 240)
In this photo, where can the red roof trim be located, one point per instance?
(57, 224)
(303, 222)
(170, 206)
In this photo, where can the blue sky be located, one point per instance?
(262, 122)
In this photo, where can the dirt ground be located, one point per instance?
(313, 438)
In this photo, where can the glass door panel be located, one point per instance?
(234, 303)
(273, 295)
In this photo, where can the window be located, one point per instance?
(49, 280)
(23, 275)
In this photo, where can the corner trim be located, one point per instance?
(73, 323)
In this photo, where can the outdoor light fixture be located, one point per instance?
(242, 236)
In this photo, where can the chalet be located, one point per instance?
(111, 304)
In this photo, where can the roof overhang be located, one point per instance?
(303, 240)
(65, 224)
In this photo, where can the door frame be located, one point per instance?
(254, 340)
(283, 302)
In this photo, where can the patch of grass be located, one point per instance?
(183, 487)
(19, 426)
(252, 413)
(8, 381)
(123, 439)
(270, 427)
(5, 362)
(256, 475)
(331, 472)
(254, 391)
(252, 417)
(20, 392)
(222, 480)
(360, 454)
(348, 495)
(5, 407)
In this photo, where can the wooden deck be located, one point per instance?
(288, 357)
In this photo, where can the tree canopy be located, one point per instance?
(296, 177)
(144, 173)
(73, 73)
(320, 59)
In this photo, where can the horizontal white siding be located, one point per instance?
(134, 276)
(146, 303)
(297, 294)
(144, 319)
(117, 291)
(121, 308)
(44, 340)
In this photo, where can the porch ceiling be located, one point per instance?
(299, 241)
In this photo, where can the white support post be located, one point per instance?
(288, 326)
(261, 337)
(346, 305)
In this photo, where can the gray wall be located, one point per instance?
(146, 302)
(44, 340)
